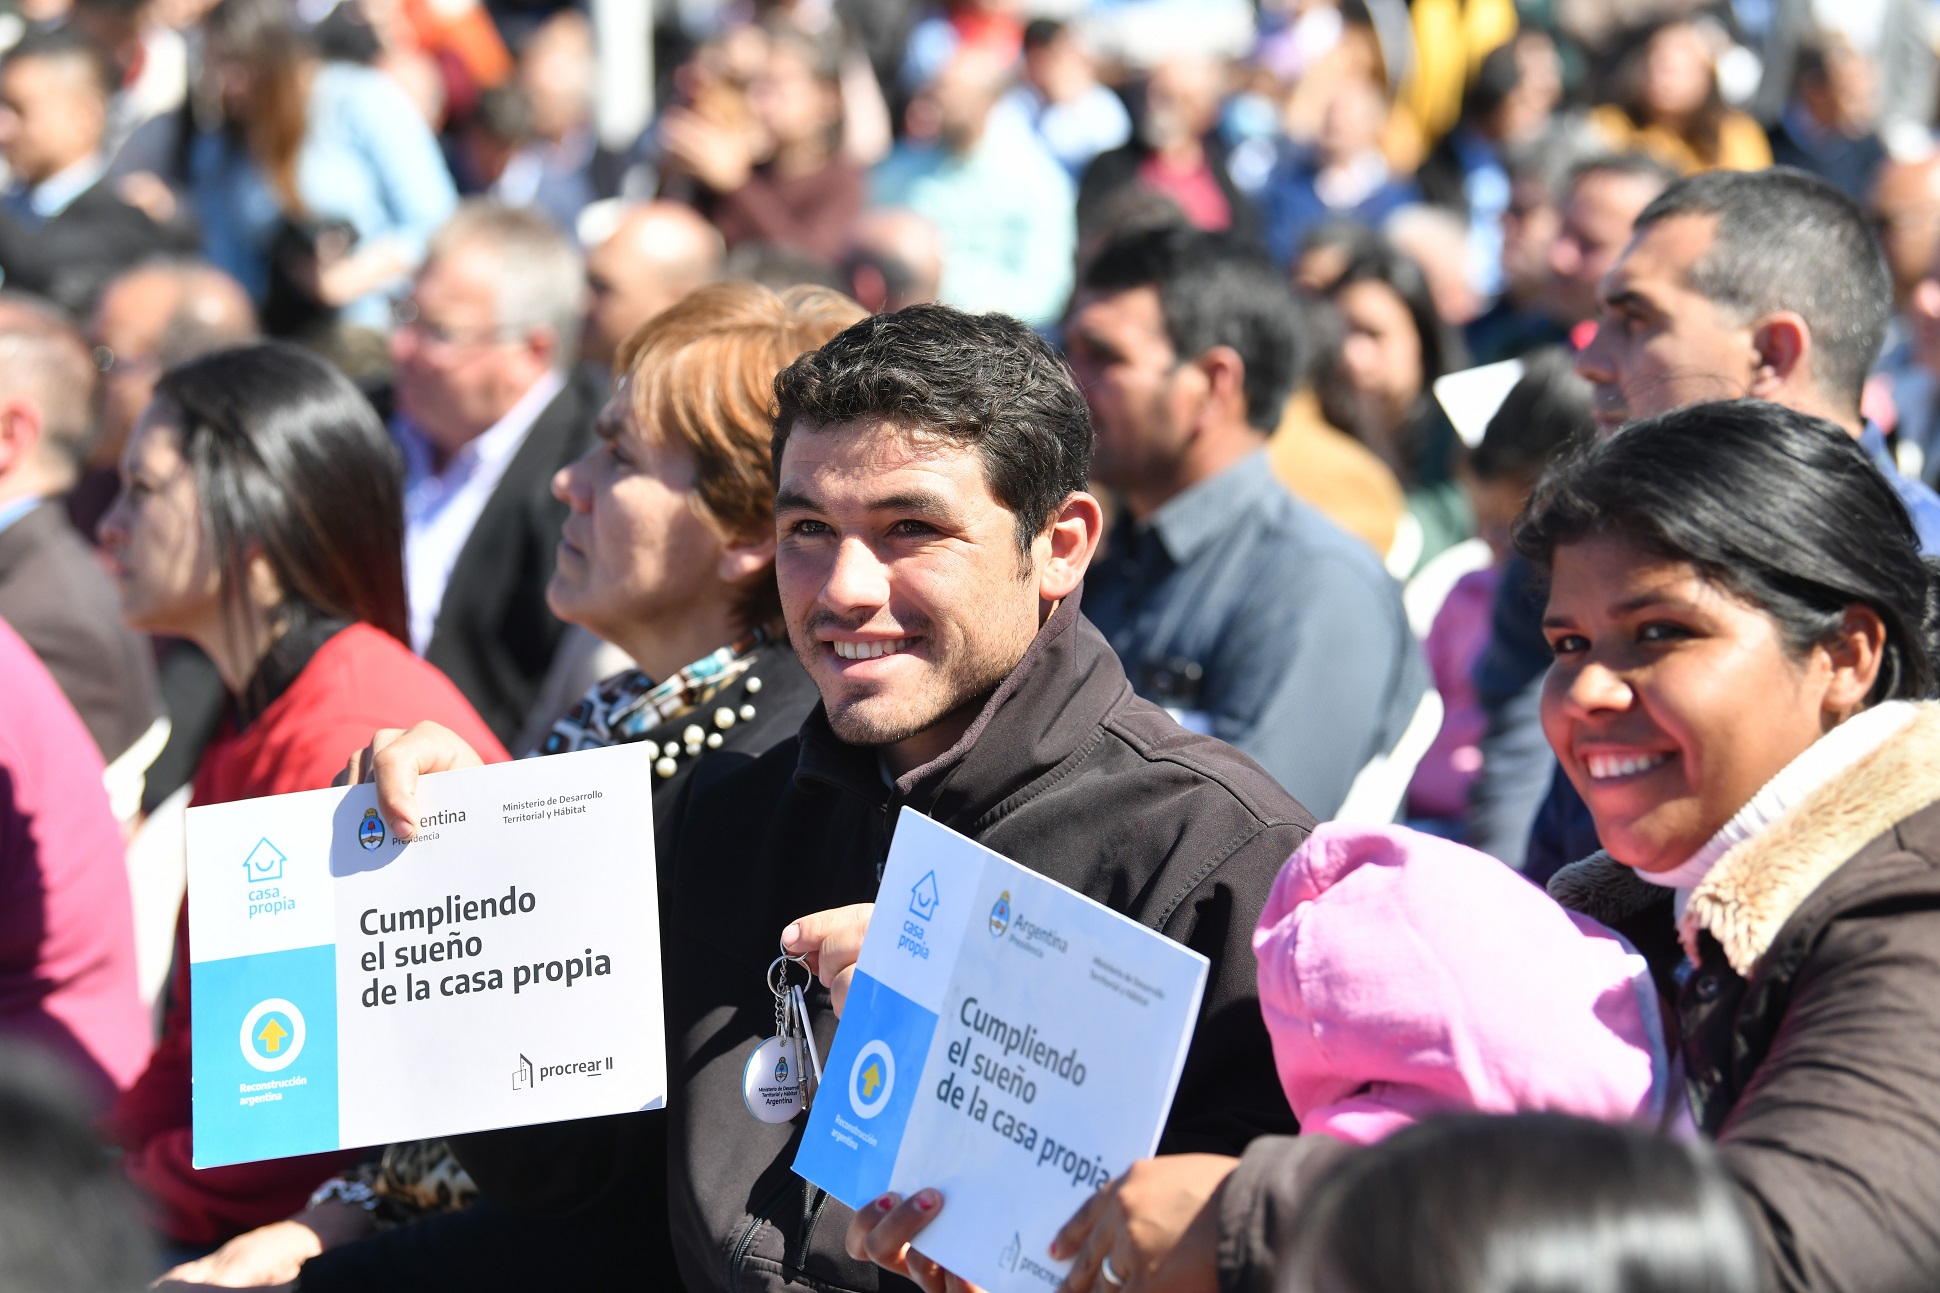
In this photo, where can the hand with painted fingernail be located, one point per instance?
(883, 1231)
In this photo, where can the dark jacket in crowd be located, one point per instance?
(621, 1240)
(1848, 164)
(1113, 173)
(495, 636)
(59, 600)
(1064, 770)
(1809, 1023)
(71, 257)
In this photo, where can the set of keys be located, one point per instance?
(777, 1084)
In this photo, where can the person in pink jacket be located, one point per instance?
(67, 929)
(1402, 975)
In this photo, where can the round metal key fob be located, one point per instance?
(771, 1084)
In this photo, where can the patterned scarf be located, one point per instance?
(628, 705)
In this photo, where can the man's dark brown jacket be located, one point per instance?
(1065, 771)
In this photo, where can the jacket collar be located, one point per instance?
(1045, 710)
(1757, 886)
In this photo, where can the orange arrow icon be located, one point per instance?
(272, 1036)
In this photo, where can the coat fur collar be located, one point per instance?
(1756, 887)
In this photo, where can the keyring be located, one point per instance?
(783, 962)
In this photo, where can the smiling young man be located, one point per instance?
(933, 532)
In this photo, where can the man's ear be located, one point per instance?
(1225, 384)
(20, 435)
(744, 558)
(1068, 545)
(1783, 344)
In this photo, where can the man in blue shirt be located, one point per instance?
(1241, 609)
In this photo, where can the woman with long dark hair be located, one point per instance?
(261, 517)
(1670, 106)
(323, 184)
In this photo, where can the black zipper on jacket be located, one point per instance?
(746, 1241)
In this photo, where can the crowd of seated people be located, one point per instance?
(1428, 505)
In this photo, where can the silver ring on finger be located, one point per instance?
(1110, 1275)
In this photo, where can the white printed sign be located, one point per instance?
(1006, 1041)
(501, 969)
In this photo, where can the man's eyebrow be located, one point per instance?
(1096, 344)
(1629, 298)
(793, 500)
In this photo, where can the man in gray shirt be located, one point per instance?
(1237, 606)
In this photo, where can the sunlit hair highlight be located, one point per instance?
(700, 376)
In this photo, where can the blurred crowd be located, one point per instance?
(322, 321)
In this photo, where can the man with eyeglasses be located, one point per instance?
(488, 409)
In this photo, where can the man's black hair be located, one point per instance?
(983, 380)
(1213, 291)
(1787, 240)
(1040, 32)
(1639, 166)
(504, 112)
(66, 44)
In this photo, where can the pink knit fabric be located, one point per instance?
(1402, 975)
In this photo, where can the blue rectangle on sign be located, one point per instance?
(264, 1036)
(869, 1085)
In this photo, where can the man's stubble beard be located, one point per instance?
(874, 720)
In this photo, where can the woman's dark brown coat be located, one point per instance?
(1807, 1006)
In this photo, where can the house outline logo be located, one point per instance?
(1012, 1251)
(370, 831)
(522, 1075)
(923, 897)
(265, 862)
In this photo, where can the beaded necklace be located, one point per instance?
(627, 706)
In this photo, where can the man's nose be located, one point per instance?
(858, 579)
(1565, 257)
(1592, 363)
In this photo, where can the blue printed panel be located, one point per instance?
(869, 1085)
(265, 1055)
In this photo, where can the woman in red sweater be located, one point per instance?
(261, 517)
